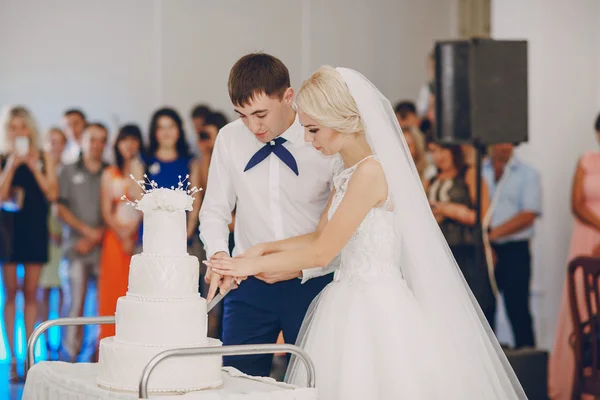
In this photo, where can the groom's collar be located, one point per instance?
(294, 132)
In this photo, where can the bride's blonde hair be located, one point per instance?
(325, 98)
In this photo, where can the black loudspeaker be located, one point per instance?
(481, 91)
(531, 368)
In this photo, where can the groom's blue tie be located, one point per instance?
(274, 146)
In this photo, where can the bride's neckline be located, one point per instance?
(358, 163)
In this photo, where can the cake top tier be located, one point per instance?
(172, 199)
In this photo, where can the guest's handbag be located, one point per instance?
(8, 213)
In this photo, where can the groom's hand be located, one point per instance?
(208, 277)
(273, 277)
(213, 279)
(217, 281)
(223, 283)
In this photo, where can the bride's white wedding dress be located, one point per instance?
(367, 334)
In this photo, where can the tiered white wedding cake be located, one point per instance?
(162, 309)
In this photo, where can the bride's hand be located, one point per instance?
(254, 251)
(239, 267)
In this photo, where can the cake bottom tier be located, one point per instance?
(121, 365)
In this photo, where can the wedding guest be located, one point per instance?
(49, 278)
(79, 209)
(74, 121)
(453, 196)
(169, 159)
(516, 190)
(406, 112)
(121, 220)
(585, 241)
(27, 187)
(206, 142)
(199, 114)
(416, 144)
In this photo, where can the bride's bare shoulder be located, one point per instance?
(369, 178)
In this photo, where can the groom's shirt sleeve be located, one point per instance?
(334, 264)
(318, 271)
(219, 201)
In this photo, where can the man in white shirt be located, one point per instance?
(280, 186)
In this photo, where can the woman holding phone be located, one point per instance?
(28, 184)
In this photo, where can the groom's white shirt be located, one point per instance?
(271, 202)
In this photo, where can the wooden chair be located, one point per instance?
(586, 325)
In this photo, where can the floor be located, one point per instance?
(9, 391)
(14, 391)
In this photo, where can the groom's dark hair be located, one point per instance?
(257, 73)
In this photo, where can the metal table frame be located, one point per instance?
(44, 326)
(248, 349)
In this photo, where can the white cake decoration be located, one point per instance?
(178, 198)
(162, 309)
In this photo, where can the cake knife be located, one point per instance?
(216, 300)
(219, 297)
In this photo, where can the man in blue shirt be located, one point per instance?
(515, 190)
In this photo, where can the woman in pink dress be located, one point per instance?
(584, 242)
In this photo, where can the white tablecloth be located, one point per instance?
(63, 381)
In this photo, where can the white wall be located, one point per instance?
(564, 65)
(202, 40)
(387, 41)
(74, 53)
(120, 59)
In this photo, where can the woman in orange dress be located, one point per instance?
(585, 241)
(122, 222)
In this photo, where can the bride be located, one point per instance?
(398, 321)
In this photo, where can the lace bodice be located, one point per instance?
(373, 252)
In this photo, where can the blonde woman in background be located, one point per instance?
(27, 174)
(56, 142)
(416, 144)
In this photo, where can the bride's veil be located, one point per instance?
(426, 261)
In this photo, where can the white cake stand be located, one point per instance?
(50, 378)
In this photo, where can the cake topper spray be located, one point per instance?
(154, 198)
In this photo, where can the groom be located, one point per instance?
(279, 185)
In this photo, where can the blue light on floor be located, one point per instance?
(53, 334)
(3, 355)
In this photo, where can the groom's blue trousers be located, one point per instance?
(256, 312)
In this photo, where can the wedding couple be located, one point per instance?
(336, 178)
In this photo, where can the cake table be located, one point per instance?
(54, 380)
(161, 317)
